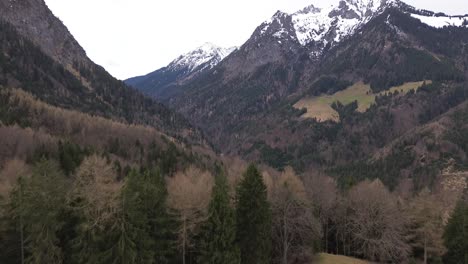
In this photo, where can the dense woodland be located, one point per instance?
(230, 214)
(77, 188)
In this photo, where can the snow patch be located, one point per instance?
(442, 21)
(208, 55)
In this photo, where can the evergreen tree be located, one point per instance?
(142, 230)
(38, 203)
(253, 219)
(456, 236)
(162, 225)
(10, 238)
(218, 244)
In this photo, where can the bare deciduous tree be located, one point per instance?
(12, 171)
(189, 194)
(376, 223)
(294, 226)
(97, 189)
(322, 191)
(426, 225)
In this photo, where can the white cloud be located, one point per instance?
(134, 37)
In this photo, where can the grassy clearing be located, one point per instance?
(323, 258)
(320, 107)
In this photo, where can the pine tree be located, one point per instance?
(38, 202)
(162, 225)
(143, 231)
(218, 244)
(456, 235)
(253, 219)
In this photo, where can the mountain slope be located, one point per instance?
(180, 71)
(245, 104)
(39, 55)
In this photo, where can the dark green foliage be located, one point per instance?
(370, 56)
(417, 66)
(162, 226)
(218, 245)
(10, 238)
(253, 219)
(459, 134)
(328, 85)
(274, 157)
(10, 110)
(38, 203)
(439, 100)
(140, 231)
(70, 156)
(456, 235)
(24, 65)
(345, 111)
(387, 169)
(168, 163)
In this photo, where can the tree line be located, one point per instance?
(91, 215)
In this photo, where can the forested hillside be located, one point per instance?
(93, 171)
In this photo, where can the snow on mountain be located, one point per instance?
(338, 21)
(329, 25)
(442, 21)
(319, 27)
(204, 57)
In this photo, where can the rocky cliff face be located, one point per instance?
(34, 20)
(39, 55)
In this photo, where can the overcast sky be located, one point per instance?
(134, 37)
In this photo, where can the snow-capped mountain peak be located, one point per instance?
(319, 27)
(331, 24)
(204, 57)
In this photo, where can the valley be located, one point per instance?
(333, 134)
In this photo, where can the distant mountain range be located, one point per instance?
(181, 70)
(315, 29)
(362, 89)
(254, 102)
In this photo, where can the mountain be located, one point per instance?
(181, 70)
(254, 103)
(58, 105)
(40, 56)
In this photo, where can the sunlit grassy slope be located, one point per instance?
(323, 258)
(320, 107)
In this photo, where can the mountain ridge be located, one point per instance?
(42, 57)
(181, 70)
(311, 30)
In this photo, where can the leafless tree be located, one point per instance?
(376, 223)
(323, 192)
(294, 226)
(97, 189)
(425, 223)
(9, 175)
(189, 194)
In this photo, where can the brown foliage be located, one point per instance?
(425, 213)
(19, 143)
(12, 171)
(294, 225)
(86, 129)
(376, 223)
(97, 188)
(189, 194)
(322, 190)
